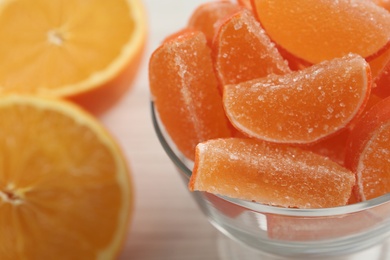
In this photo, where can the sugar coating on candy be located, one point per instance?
(185, 92)
(373, 172)
(242, 50)
(207, 16)
(322, 30)
(368, 152)
(303, 106)
(270, 174)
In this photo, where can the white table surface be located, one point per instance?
(167, 224)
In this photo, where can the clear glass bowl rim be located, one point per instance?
(322, 212)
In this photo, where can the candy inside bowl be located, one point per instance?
(289, 232)
(281, 137)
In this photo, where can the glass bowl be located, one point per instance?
(281, 233)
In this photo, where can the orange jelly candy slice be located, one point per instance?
(242, 50)
(185, 91)
(368, 152)
(383, 83)
(379, 63)
(205, 18)
(383, 3)
(303, 106)
(269, 173)
(326, 29)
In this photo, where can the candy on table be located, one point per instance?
(303, 106)
(269, 173)
(185, 91)
(242, 51)
(368, 152)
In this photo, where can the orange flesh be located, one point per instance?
(206, 17)
(185, 91)
(322, 30)
(301, 107)
(368, 152)
(242, 51)
(58, 196)
(62, 46)
(270, 174)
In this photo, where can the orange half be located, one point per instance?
(65, 191)
(66, 48)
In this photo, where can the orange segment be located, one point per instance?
(206, 17)
(64, 183)
(270, 174)
(185, 91)
(322, 30)
(71, 47)
(303, 106)
(368, 152)
(242, 51)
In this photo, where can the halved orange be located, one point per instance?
(303, 106)
(70, 48)
(322, 30)
(65, 188)
(269, 173)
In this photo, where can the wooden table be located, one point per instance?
(166, 223)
